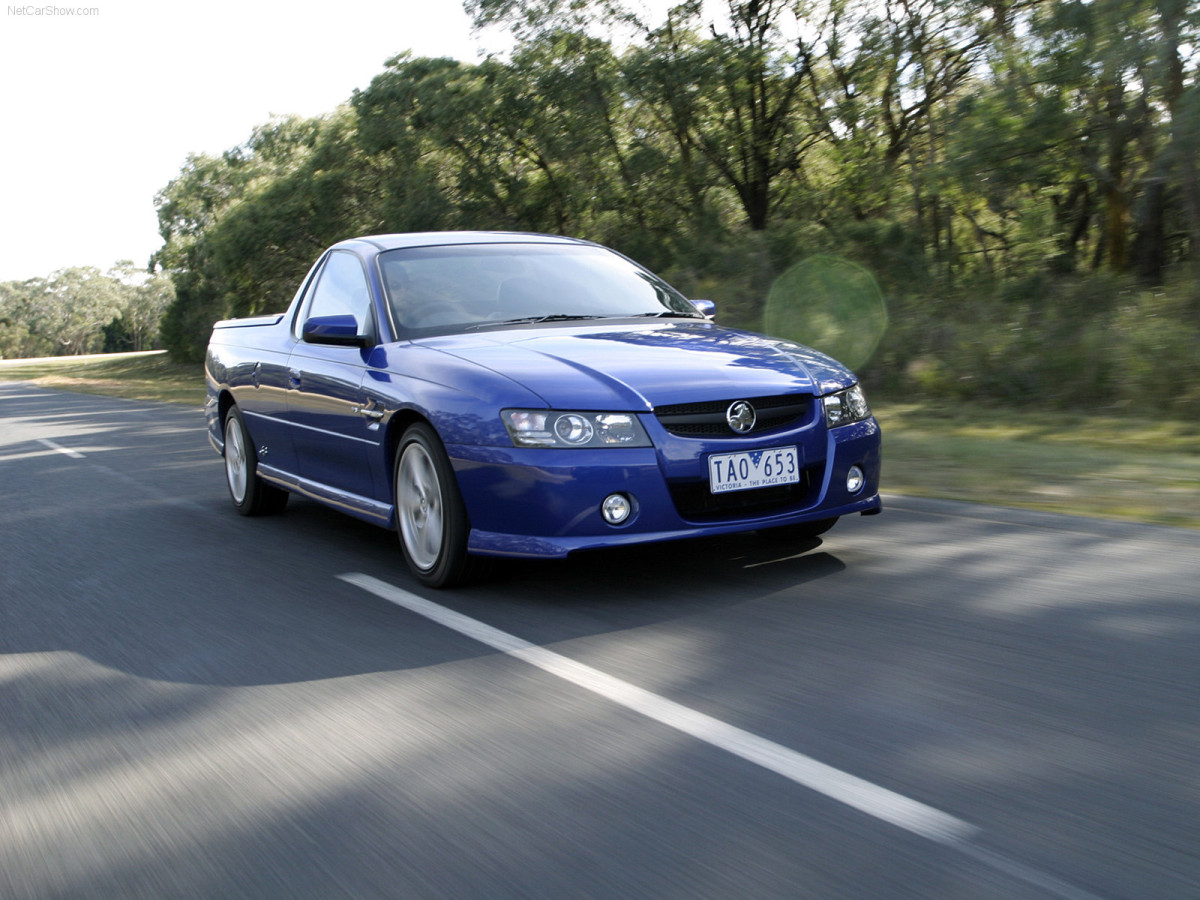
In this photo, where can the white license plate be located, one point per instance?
(753, 469)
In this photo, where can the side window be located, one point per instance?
(341, 290)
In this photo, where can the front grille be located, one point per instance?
(695, 502)
(707, 420)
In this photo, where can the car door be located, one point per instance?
(332, 433)
(264, 402)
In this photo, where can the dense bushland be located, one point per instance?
(1020, 180)
(83, 310)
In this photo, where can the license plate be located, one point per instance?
(753, 469)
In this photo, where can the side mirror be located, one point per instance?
(706, 307)
(340, 330)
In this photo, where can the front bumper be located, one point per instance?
(542, 503)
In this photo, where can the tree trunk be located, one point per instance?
(1149, 250)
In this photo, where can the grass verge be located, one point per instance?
(134, 376)
(1145, 470)
(1113, 467)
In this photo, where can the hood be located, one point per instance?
(646, 365)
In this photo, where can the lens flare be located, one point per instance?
(830, 304)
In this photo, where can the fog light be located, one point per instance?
(616, 508)
(855, 479)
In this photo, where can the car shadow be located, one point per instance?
(594, 591)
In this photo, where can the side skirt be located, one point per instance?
(382, 514)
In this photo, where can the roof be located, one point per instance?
(443, 238)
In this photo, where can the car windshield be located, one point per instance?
(437, 290)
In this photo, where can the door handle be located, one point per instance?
(369, 411)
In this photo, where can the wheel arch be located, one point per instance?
(397, 425)
(225, 402)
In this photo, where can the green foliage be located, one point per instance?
(242, 230)
(831, 304)
(1097, 343)
(81, 310)
(1155, 345)
(1021, 181)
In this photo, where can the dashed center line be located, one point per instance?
(875, 801)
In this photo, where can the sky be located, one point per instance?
(100, 111)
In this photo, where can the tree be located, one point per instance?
(731, 98)
(241, 229)
(946, 142)
(147, 297)
(1090, 111)
(72, 306)
(16, 340)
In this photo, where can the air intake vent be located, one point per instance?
(708, 420)
(696, 503)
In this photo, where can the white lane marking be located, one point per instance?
(877, 802)
(1056, 887)
(869, 798)
(59, 448)
(121, 476)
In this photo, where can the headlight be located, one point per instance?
(846, 407)
(555, 428)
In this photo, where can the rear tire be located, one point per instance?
(431, 518)
(251, 495)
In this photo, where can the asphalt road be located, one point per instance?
(944, 701)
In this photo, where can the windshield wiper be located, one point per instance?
(662, 315)
(535, 320)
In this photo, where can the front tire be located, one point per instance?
(430, 515)
(251, 495)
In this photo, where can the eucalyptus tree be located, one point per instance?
(582, 132)
(147, 297)
(234, 226)
(538, 142)
(887, 79)
(725, 94)
(728, 96)
(70, 308)
(16, 339)
(1092, 110)
(453, 118)
(265, 243)
(188, 208)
